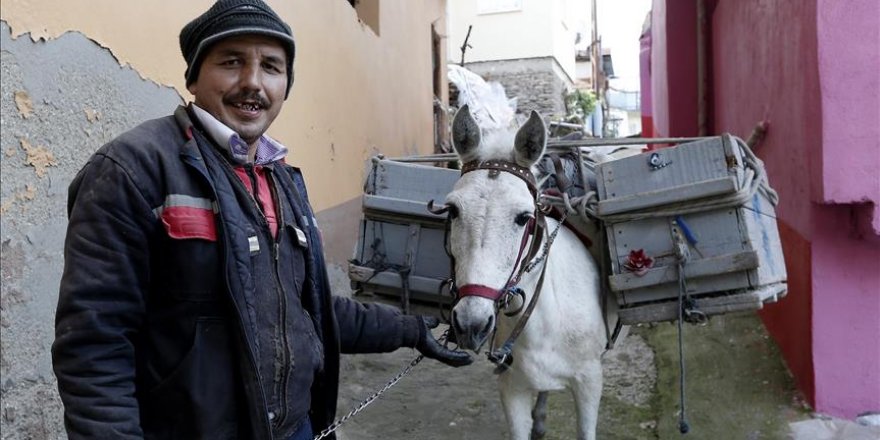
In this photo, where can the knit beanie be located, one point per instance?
(228, 18)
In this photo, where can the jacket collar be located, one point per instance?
(190, 150)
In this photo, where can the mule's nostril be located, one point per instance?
(488, 327)
(455, 324)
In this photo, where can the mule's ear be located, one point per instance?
(465, 133)
(531, 139)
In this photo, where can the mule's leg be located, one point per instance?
(517, 402)
(587, 391)
(539, 415)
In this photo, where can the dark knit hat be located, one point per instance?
(228, 18)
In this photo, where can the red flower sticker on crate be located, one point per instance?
(638, 262)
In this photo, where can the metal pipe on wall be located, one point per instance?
(702, 69)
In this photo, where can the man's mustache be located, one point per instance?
(253, 97)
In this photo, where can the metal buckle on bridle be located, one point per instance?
(452, 291)
(544, 208)
(502, 358)
(509, 294)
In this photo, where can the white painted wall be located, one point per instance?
(514, 29)
(583, 71)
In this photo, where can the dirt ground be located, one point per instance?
(737, 388)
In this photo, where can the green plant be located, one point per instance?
(580, 104)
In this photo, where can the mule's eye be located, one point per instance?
(523, 218)
(453, 211)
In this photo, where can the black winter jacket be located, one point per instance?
(153, 338)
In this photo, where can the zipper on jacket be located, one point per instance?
(286, 356)
(252, 358)
(288, 360)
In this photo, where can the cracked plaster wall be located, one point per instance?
(61, 100)
(357, 93)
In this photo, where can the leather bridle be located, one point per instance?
(534, 228)
(524, 261)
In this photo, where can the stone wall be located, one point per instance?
(537, 83)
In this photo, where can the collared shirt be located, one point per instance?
(255, 180)
(268, 149)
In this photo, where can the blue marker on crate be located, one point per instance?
(688, 233)
(686, 230)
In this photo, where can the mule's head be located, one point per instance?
(489, 212)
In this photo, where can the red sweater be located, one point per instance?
(263, 195)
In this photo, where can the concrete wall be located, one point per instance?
(76, 73)
(61, 100)
(809, 68)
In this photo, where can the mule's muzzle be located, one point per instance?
(472, 335)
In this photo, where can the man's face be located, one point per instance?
(242, 83)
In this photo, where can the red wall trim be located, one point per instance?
(790, 321)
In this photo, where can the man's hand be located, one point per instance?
(430, 348)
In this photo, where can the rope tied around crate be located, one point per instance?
(753, 181)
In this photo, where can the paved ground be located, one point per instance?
(737, 388)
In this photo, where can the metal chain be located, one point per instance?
(546, 248)
(366, 402)
(361, 406)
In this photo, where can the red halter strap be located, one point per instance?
(496, 294)
(479, 290)
(526, 176)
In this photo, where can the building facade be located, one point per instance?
(528, 46)
(807, 71)
(76, 73)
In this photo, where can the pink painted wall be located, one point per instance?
(674, 67)
(810, 68)
(846, 258)
(846, 318)
(849, 74)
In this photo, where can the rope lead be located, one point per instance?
(683, 426)
(685, 306)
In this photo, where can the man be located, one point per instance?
(194, 302)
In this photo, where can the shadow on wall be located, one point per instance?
(61, 100)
